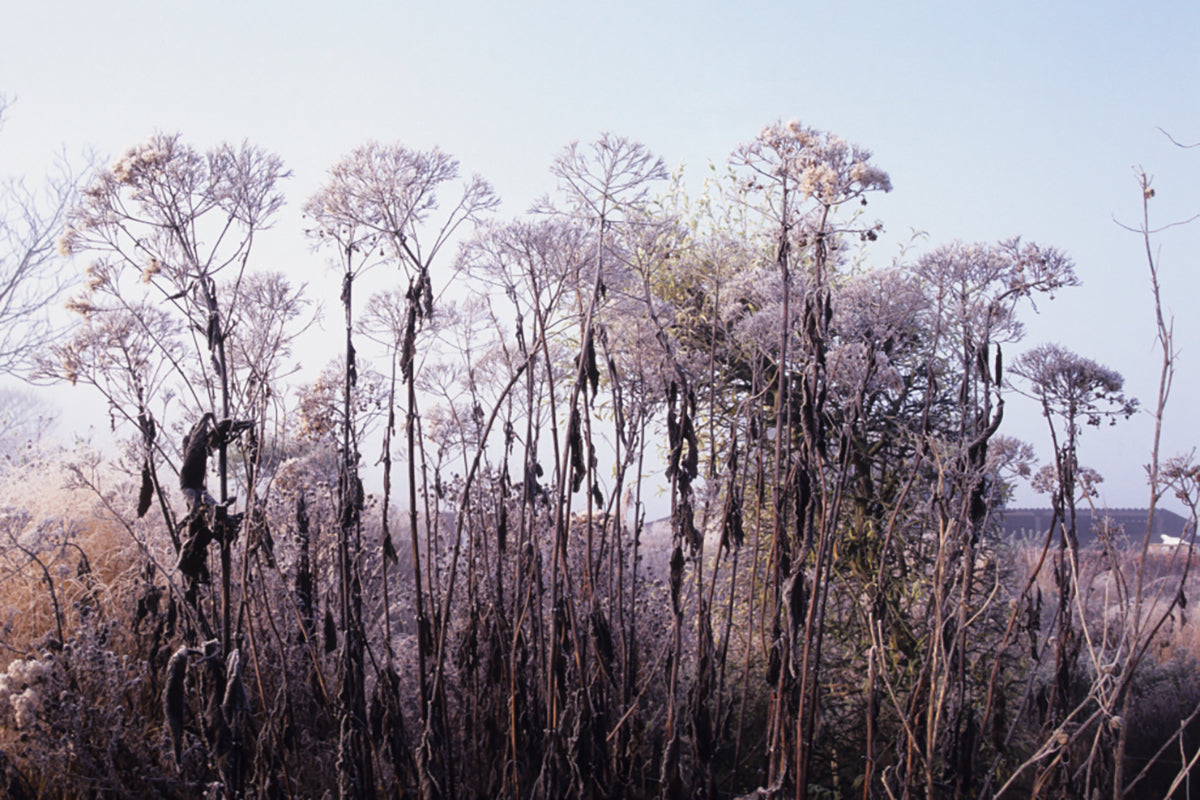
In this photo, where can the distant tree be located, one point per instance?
(24, 422)
(32, 275)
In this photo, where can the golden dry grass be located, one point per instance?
(58, 546)
(1107, 584)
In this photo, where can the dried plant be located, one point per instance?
(827, 608)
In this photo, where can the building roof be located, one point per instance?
(1127, 523)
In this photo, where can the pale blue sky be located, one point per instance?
(993, 119)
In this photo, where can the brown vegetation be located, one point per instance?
(828, 609)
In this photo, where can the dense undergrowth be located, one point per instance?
(828, 609)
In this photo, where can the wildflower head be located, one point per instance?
(19, 686)
(80, 305)
(152, 268)
(66, 242)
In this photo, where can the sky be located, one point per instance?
(994, 119)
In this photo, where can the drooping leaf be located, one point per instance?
(173, 701)
(146, 495)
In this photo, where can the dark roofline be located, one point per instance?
(1132, 520)
(1105, 510)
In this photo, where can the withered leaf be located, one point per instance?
(146, 495)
